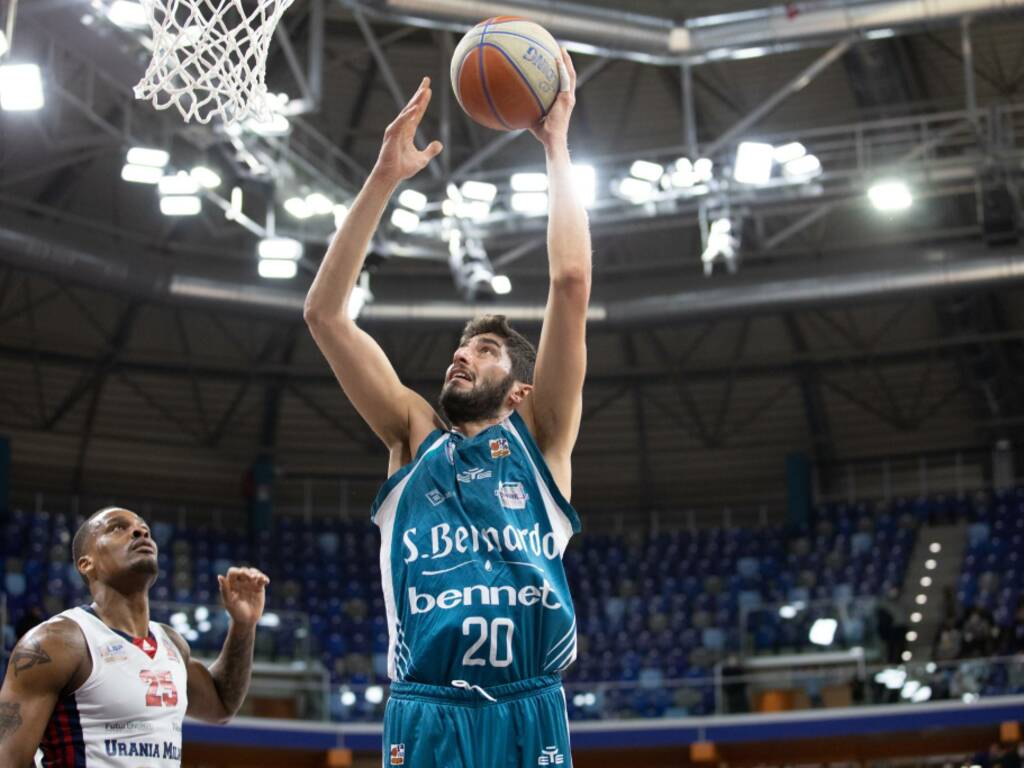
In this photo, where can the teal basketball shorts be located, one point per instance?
(507, 726)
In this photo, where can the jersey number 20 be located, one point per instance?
(161, 692)
(495, 629)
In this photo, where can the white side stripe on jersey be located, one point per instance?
(385, 519)
(561, 640)
(560, 524)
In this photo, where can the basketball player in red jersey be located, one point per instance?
(102, 686)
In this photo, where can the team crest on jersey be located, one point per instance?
(499, 448)
(114, 651)
(398, 754)
(512, 495)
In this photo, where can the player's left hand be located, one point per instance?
(243, 591)
(553, 129)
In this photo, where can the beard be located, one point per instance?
(482, 402)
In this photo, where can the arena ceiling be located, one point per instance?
(144, 357)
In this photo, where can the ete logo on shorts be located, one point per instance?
(398, 754)
(499, 448)
(551, 756)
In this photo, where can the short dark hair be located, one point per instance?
(81, 539)
(522, 353)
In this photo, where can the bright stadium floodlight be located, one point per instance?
(823, 631)
(890, 196)
(935, 547)
(754, 163)
(277, 125)
(501, 284)
(178, 184)
(407, 221)
(909, 689)
(412, 199)
(205, 177)
(683, 175)
(269, 619)
(923, 694)
(478, 190)
(529, 182)
(360, 296)
(21, 88)
(785, 153)
(348, 698)
(180, 205)
(804, 167)
(285, 248)
(297, 207)
(474, 210)
(787, 612)
(375, 694)
(915, 617)
(926, 581)
(277, 269)
(142, 174)
(703, 169)
(585, 179)
(319, 204)
(636, 190)
(155, 158)
(911, 636)
(4, 45)
(235, 208)
(646, 170)
(127, 14)
(530, 203)
(340, 214)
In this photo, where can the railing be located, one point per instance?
(653, 697)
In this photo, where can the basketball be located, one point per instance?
(505, 73)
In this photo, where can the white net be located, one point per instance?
(210, 57)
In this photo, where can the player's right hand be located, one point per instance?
(399, 159)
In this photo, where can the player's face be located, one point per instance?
(478, 381)
(122, 545)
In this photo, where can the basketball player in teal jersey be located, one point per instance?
(475, 514)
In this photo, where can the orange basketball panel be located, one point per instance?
(472, 95)
(511, 95)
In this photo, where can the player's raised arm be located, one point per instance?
(399, 416)
(43, 665)
(562, 355)
(216, 694)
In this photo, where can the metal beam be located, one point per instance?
(389, 76)
(117, 342)
(283, 39)
(640, 420)
(809, 218)
(815, 413)
(794, 85)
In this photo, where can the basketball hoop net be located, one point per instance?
(210, 57)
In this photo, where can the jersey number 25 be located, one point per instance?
(162, 691)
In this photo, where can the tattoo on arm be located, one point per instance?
(10, 718)
(233, 668)
(27, 655)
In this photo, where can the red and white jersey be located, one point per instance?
(128, 713)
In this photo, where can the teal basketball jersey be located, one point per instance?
(472, 536)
